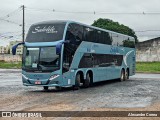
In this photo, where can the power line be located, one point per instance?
(58, 11)
(131, 13)
(95, 12)
(11, 14)
(10, 36)
(148, 35)
(10, 21)
(9, 32)
(148, 31)
(41, 10)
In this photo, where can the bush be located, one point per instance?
(10, 65)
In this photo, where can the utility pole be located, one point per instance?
(23, 25)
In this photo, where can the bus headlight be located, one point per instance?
(53, 77)
(24, 77)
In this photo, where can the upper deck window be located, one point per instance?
(46, 32)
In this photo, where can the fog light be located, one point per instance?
(53, 77)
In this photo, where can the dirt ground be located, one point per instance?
(140, 93)
(154, 107)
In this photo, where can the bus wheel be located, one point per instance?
(77, 82)
(87, 81)
(45, 87)
(127, 75)
(122, 78)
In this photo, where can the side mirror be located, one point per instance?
(58, 48)
(15, 47)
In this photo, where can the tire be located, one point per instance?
(45, 87)
(122, 77)
(127, 75)
(77, 82)
(87, 81)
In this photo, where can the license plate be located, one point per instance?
(37, 82)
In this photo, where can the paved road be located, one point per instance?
(140, 91)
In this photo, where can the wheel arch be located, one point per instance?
(127, 70)
(123, 69)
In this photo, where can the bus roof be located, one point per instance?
(101, 29)
(69, 21)
(51, 22)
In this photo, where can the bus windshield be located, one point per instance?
(41, 59)
(45, 32)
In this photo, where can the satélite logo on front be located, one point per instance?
(49, 29)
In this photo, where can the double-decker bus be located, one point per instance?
(67, 53)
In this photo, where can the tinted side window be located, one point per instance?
(85, 33)
(115, 39)
(97, 36)
(86, 61)
(120, 40)
(74, 33)
(100, 60)
(108, 38)
(129, 42)
(103, 37)
(89, 34)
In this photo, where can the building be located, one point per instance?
(148, 51)
(7, 49)
(6, 52)
(10, 58)
(2, 49)
(19, 50)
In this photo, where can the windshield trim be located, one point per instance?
(31, 69)
(43, 44)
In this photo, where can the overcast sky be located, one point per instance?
(42, 10)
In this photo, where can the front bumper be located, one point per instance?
(49, 85)
(45, 82)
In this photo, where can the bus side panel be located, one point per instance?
(129, 60)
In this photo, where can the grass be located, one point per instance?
(10, 65)
(150, 67)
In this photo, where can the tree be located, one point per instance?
(114, 26)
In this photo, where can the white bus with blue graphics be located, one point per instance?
(67, 53)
